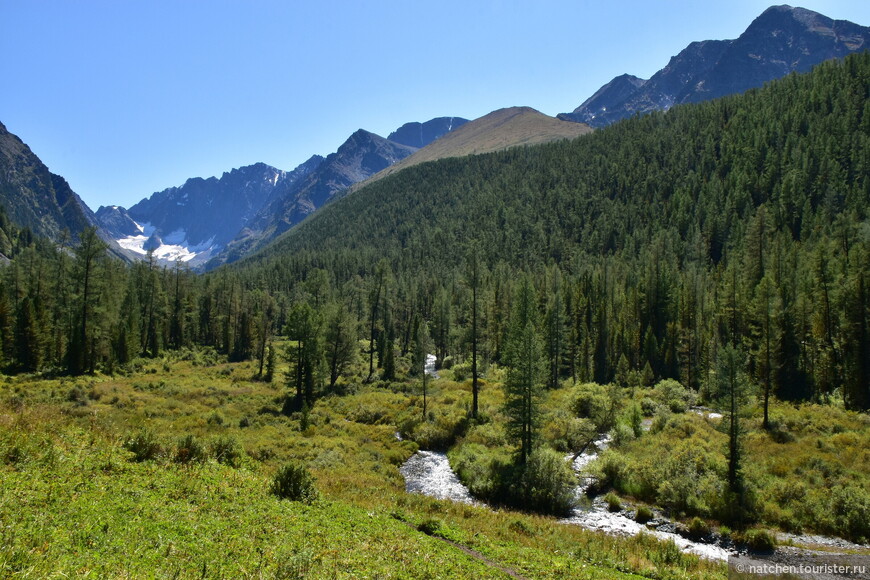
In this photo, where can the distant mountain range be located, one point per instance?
(780, 41)
(218, 220)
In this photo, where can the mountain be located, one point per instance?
(421, 134)
(361, 156)
(605, 99)
(34, 197)
(117, 222)
(501, 129)
(198, 219)
(780, 41)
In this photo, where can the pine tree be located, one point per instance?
(555, 327)
(474, 280)
(340, 338)
(305, 356)
(524, 358)
(81, 356)
(731, 390)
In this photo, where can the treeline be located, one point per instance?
(651, 244)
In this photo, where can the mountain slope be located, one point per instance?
(36, 198)
(605, 99)
(421, 134)
(781, 40)
(362, 155)
(501, 129)
(694, 173)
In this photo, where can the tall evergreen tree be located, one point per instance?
(81, 356)
(525, 362)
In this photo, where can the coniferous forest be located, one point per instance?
(715, 253)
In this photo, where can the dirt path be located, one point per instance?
(474, 554)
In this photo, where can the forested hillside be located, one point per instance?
(651, 243)
(742, 220)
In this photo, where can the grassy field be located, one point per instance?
(75, 503)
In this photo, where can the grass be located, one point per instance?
(75, 501)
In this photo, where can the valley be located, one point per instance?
(632, 341)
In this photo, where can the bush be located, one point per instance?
(613, 502)
(293, 481)
(643, 515)
(674, 395)
(144, 446)
(189, 449)
(226, 450)
(649, 407)
(698, 528)
(621, 434)
(850, 506)
(610, 469)
(548, 483)
(759, 541)
(597, 403)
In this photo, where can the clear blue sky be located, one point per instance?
(127, 97)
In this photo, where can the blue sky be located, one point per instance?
(125, 97)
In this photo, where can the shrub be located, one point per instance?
(621, 434)
(674, 395)
(698, 528)
(548, 483)
(759, 540)
(634, 419)
(226, 450)
(613, 502)
(850, 506)
(144, 446)
(293, 481)
(610, 469)
(77, 395)
(649, 407)
(189, 449)
(595, 402)
(643, 515)
(520, 527)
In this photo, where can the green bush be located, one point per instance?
(144, 445)
(548, 483)
(226, 450)
(481, 469)
(293, 481)
(698, 528)
(674, 395)
(190, 450)
(643, 515)
(850, 507)
(597, 403)
(649, 407)
(759, 540)
(614, 504)
(609, 469)
(430, 526)
(621, 434)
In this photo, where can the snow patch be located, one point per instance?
(173, 248)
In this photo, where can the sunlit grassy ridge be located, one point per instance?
(74, 502)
